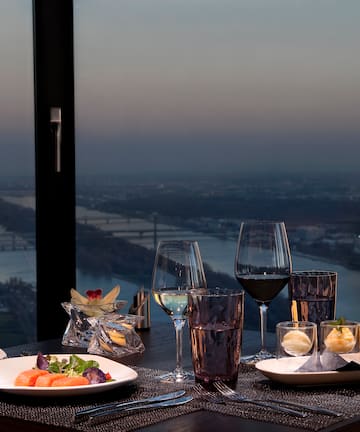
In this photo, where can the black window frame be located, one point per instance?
(55, 184)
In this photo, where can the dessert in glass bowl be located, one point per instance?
(340, 336)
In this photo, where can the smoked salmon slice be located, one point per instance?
(29, 377)
(70, 381)
(48, 379)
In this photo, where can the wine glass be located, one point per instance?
(263, 268)
(178, 270)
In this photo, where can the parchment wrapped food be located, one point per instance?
(94, 304)
(84, 312)
(115, 336)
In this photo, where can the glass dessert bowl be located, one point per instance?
(339, 337)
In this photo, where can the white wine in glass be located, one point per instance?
(178, 270)
(262, 267)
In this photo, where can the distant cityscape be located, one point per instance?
(322, 216)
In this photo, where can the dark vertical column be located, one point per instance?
(55, 162)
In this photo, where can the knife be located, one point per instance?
(112, 405)
(161, 404)
(312, 408)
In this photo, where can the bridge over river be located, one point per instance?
(131, 229)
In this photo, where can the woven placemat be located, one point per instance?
(251, 383)
(60, 411)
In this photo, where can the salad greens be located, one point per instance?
(75, 366)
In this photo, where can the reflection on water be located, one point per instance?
(218, 253)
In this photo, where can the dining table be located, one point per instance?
(35, 414)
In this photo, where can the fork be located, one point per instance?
(234, 396)
(207, 395)
(312, 408)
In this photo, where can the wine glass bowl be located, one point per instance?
(178, 270)
(262, 267)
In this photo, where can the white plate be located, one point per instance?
(283, 370)
(11, 367)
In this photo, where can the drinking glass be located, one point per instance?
(178, 270)
(262, 267)
(312, 295)
(216, 325)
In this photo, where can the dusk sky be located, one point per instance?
(197, 85)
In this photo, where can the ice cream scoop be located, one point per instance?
(296, 343)
(340, 340)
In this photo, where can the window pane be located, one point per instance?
(193, 115)
(17, 202)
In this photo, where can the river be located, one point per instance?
(218, 253)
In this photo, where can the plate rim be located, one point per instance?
(307, 378)
(131, 375)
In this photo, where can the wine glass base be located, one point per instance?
(254, 358)
(177, 377)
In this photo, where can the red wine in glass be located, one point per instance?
(262, 267)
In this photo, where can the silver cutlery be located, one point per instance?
(213, 397)
(162, 404)
(115, 405)
(311, 408)
(234, 396)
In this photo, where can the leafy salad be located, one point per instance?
(72, 367)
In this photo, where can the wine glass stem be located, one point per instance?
(263, 325)
(179, 325)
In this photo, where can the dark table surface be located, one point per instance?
(160, 354)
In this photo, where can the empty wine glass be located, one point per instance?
(178, 270)
(263, 268)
